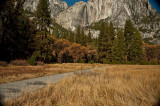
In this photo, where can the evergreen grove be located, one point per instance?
(125, 46)
(42, 39)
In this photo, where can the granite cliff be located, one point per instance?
(55, 6)
(145, 18)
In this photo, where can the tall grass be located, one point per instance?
(120, 85)
(15, 73)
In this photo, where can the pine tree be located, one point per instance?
(136, 53)
(77, 37)
(89, 39)
(111, 32)
(109, 38)
(102, 44)
(128, 33)
(118, 48)
(43, 15)
(83, 38)
(15, 31)
(71, 36)
(43, 40)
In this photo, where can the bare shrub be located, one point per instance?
(3, 63)
(19, 63)
(40, 63)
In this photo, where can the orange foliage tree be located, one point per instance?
(64, 51)
(151, 52)
(59, 46)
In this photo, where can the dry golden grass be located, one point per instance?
(16, 73)
(118, 85)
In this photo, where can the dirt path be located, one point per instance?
(14, 89)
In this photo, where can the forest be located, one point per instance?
(35, 36)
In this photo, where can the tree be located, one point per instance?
(77, 52)
(118, 48)
(136, 53)
(89, 39)
(43, 40)
(77, 37)
(83, 38)
(101, 44)
(109, 38)
(16, 31)
(111, 33)
(71, 36)
(128, 34)
(59, 49)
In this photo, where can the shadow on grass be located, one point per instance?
(1, 99)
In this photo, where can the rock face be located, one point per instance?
(140, 12)
(55, 6)
(84, 14)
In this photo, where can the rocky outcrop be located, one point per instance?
(73, 16)
(140, 12)
(84, 14)
(55, 6)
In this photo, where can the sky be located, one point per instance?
(71, 2)
(155, 4)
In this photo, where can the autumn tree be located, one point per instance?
(77, 52)
(151, 53)
(92, 54)
(59, 49)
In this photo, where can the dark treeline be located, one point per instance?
(120, 46)
(16, 31)
(35, 36)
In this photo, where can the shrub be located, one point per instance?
(81, 61)
(32, 60)
(91, 62)
(3, 63)
(19, 62)
(153, 62)
(40, 63)
(105, 61)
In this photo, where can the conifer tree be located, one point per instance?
(118, 48)
(16, 31)
(109, 38)
(111, 33)
(128, 33)
(43, 40)
(136, 53)
(102, 44)
(89, 38)
(71, 36)
(43, 18)
(83, 38)
(77, 36)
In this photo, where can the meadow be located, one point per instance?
(117, 85)
(15, 73)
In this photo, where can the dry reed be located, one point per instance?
(118, 85)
